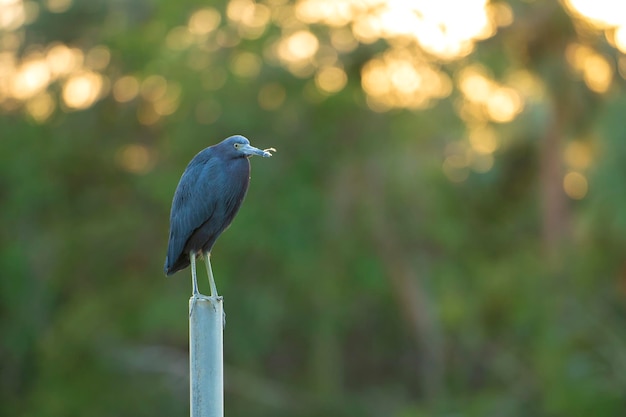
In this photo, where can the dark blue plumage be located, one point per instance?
(208, 196)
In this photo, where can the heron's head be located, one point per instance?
(241, 146)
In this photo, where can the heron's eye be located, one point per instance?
(236, 146)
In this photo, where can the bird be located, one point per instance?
(207, 198)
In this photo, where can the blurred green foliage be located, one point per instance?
(366, 274)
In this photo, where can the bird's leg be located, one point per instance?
(207, 260)
(194, 281)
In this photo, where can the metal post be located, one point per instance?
(206, 356)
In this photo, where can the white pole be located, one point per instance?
(206, 356)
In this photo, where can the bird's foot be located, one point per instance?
(214, 300)
(192, 301)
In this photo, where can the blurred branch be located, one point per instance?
(407, 285)
(553, 208)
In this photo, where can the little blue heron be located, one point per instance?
(206, 200)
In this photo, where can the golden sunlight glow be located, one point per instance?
(598, 73)
(299, 46)
(251, 18)
(125, 89)
(575, 185)
(619, 38)
(331, 79)
(81, 90)
(63, 60)
(24, 82)
(474, 84)
(504, 104)
(407, 75)
(343, 40)
(429, 23)
(486, 97)
(330, 12)
(610, 16)
(501, 13)
(595, 68)
(12, 14)
(30, 78)
(204, 21)
(600, 13)
(398, 79)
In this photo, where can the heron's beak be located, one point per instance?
(251, 150)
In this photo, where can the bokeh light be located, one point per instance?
(494, 173)
(30, 78)
(58, 6)
(600, 13)
(168, 103)
(578, 154)
(399, 79)
(331, 79)
(297, 47)
(153, 87)
(250, 18)
(63, 60)
(125, 89)
(430, 24)
(246, 64)
(179, 38)
(487, 99)
(204, 21)
(41, 107)
(81, 90)
(619, 37)
(575, 185)
(483, 139)
(135, 158)
(594, 68)
(98, 58)
(12, 14)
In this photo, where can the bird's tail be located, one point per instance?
(173, 266)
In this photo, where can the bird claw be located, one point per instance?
(213, 300)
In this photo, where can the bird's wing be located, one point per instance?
(194, 203)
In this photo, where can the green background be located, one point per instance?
(362, 276)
